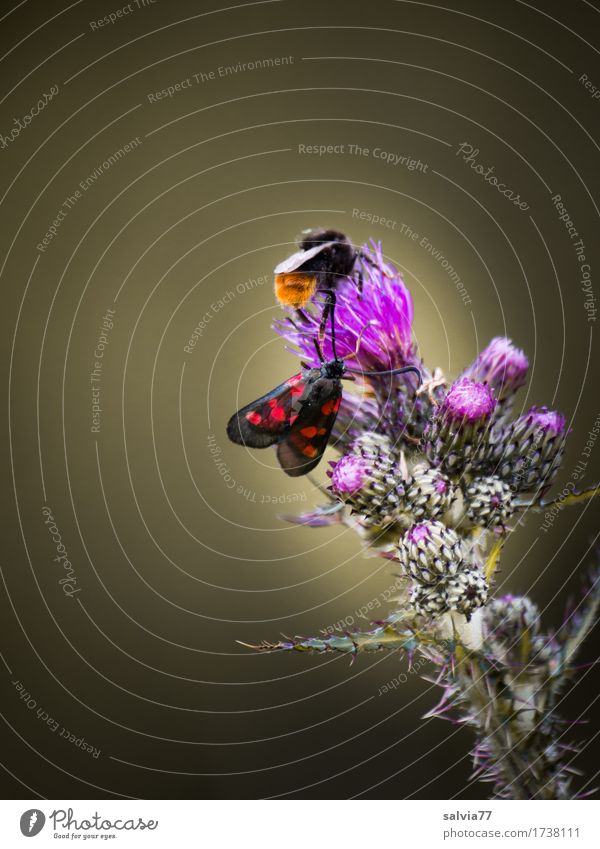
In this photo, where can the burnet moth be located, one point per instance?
(298, 415)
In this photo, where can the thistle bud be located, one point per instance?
(457, 429)
(489, 502)
(466, 591)
(430, 552)
(366, 480)
(529, 450)
(430, 493)
(349, 475)
(502, 366)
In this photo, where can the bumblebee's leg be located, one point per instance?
(373, 264)
(328, 310)
(319, 350)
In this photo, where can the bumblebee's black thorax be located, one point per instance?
(337, 257)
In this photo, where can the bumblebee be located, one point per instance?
(324, 257)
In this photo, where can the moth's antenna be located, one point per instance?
(403, 370)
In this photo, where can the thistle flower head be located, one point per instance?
(489, 502)
(366, 479)
(349, 475)
(466, 591)
(501, 365)
(549, 421)
(381, 318)
(529, 450)
(430, 551)
(467, 401)
(430, 493)
(454, 435)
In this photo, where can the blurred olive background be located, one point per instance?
(174, 536)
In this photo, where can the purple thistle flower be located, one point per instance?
(349, 475)
(467, 401)
(501, 365)
(551, 422)
(381, 317)
(456, 432)
(529, 450)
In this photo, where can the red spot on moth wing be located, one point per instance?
(295, 379)
(293, 418)
(310, 451)
(336, 405)
(328, 408)
(309, 432)
(272, 402)
(254, 417)
(296, 390)
(278, 413)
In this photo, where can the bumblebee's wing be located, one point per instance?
(303, 446)
(293, 262)
(265, 421)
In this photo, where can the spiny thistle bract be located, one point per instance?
(434, 477)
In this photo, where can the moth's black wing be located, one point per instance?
(266, 420)
(300, 451)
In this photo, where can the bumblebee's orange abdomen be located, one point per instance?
(295, 289)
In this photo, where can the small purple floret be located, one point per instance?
(349, 474)
(419, 532)
(441, 486)
(550, 421)
(468, 401)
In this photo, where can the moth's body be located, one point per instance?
(297, 416)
